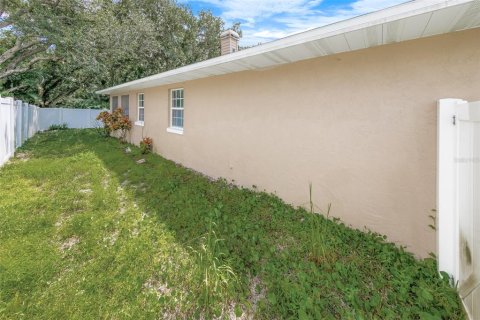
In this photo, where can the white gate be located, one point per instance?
(459, 198)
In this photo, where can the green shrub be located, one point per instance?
(115, 121)
(146, 145)
(62, 126)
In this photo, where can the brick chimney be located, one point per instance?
(229, 41)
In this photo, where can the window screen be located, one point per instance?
(141, 107)
(114, 103)
(125, 104)
(176, 108)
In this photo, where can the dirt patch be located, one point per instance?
(23, 156)
(142, 187)
(135, 232)
(284, 241)
(106, 181)
(160, 289)
(69, 243)
(111, 239)
(257, 293)
(122, 199)
(61, 220)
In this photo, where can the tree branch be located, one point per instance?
(23, 56)
(10, 72)
(62, 96)
(19, 46)
(13, 89)
(11, 52)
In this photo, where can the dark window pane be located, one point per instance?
(114, 103)
(177, 118)
(125, 104)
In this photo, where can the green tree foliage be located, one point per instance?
(59, 52)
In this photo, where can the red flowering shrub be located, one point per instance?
(146, 145)
(115, 121)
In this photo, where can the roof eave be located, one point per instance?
(363, 22)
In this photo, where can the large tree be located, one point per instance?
(151, 36)
(30, 30)
(60, 51)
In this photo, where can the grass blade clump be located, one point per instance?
(214, 274)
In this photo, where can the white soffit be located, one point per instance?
(412, 20)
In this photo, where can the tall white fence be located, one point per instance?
(7, 129)
(20, 121)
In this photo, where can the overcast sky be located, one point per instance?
(266, 20)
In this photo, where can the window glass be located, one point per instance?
(141, 107)
(125, 104)
(176, 106)
(114, 103)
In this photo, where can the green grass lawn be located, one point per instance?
(87, 233)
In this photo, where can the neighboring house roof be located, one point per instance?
(408, 21)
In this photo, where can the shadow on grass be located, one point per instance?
(357, 274)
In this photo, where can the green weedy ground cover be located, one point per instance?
(86, 233)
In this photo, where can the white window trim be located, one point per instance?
(140, 122)
(175, 130)
(171, 128)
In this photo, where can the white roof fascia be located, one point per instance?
(224, 64)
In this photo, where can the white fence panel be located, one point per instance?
(80, 118)
(458, 211)
(20, 121)
(7, 129)
(32, 120)
(48, 117)
(73, 118)
(24, 121)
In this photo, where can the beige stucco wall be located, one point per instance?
(360, 126)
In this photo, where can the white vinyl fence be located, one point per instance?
(20, 121)
(7, 129)
(458, 198)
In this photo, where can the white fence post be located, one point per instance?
(11, 142)
(18, 123)
(24, 122)
(31, 121)
(7, 129)
(35, 122)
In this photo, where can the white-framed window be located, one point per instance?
(141, 107)
(176, 110)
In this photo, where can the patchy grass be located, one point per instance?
(87, 233)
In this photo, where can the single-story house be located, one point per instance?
(350, 108)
